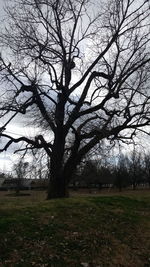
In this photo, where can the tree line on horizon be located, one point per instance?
(125, 170)
(130, 169)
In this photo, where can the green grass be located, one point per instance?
(79, 231)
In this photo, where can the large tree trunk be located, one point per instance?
(60, 176)
(58, 188)
(57, 181)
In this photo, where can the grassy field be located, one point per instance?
(84, 230)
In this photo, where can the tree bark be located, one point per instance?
(58, 186)
(60, 176)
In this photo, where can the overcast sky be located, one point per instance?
(5, 158)
(8, 158)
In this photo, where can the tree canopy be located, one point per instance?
(78, 70)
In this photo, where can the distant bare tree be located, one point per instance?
(39, 165)
(80, 70)
(135, 168)
(147, 167)
(20, 170)
(122, 172)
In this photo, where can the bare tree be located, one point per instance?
(135, 168)
(21, 171)
(39, 165)
(80, 71)
(121, 172)
(147, 167)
